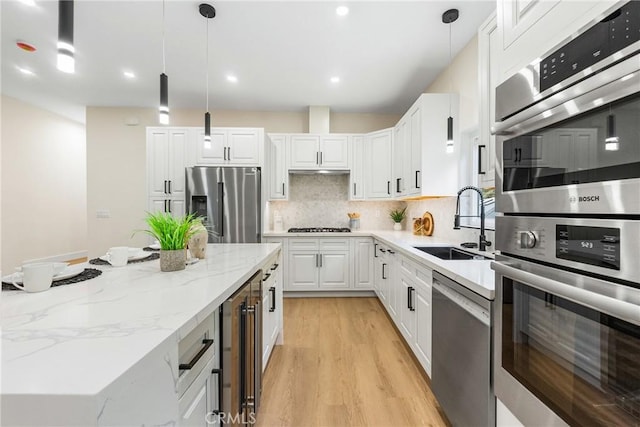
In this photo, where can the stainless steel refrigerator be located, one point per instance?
(228, 198)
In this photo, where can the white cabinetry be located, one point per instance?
(319, 152)
(362, 249)
(378, 152)
(427, 169)
(356, 179)
(488, 59)
(277, 173)
(271, 306)
(230, 147)
(318, 264)
(166, 154)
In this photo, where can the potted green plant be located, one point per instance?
(173, 233)
(398, 215)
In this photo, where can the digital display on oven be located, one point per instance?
(597, 246)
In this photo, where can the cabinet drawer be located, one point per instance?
(334, 245)
(199, 340)
(303, 244)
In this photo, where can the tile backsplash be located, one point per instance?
(323, 201)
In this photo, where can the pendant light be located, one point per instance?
(208, 12)
(611, 142)
(448, 18)
(66, 61)
(163, 110)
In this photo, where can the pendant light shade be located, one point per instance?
(208, 12)
(611, 142)
(66, 61)
(163, 110)
(448, 18)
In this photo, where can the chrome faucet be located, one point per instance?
(456, 219)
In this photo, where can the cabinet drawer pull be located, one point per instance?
(169, 204)
(317, 158)
(384, 270)
(228, 153)
(272, 290)
(410, 298)
(274, 266)
(165, 186)
(398, 185)
(354, 188)
(417, 179)
(186, 366)
(375, 250)
(169, 186)
(266, 277)
(390, 251)
(321, 158)
(480, 171)
(320, 256)
(389, 187)
(283, 189)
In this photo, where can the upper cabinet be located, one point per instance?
(422, 166)
(356, 178)
(378, 154)
(230, 147)
(278, 176)
(530, 28)
(319, 152)
(488, 56)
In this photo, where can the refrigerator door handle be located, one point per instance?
(221, 209)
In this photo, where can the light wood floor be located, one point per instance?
(343, 364)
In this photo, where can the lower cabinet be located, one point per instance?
(272, 313)
(196, 406)
(362, 250)
(318, 264)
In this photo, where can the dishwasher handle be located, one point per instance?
(471, 307)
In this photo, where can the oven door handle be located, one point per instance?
(602, 303)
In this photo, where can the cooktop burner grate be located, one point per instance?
(319, 230)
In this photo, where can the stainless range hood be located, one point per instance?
(319, 172)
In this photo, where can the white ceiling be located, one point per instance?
(283, 53)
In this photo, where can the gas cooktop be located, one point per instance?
(319, 230)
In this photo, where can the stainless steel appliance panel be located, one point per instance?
(566, 346)
(229, 199)
(536, 238)
(241, 353)
(461, 354)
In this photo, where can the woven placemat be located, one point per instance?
(98, 261)
(88, 273)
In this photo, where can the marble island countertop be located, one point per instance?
(476, 275)
(81, 339)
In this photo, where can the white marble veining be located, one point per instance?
(81, 339)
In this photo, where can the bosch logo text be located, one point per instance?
(581, 199)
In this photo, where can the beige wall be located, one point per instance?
(44, 193)
(116, 159)
(464, 73)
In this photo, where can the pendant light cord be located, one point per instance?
(450, 73)
(207, 65)
(164, 62)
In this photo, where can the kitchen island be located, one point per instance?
(105, 351)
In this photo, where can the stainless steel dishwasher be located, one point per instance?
(461, 354)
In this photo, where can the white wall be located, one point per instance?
(44, 193)
(116, 159)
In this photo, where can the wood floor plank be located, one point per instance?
(344, 364)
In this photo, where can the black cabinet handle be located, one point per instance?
(411, 291)
(383, 250)
(224, 152)
(169, 186)
(206, 344)
(317, 158)
(409, 297)
(266, 277)
(321, 158)
(165, 186)
(354, 188)
(228, 153)
(417, 179)
(480, 171)
(375, 250)
(389, 187)
(169, 204)
(283, 188)
(274, 266)
(390, 251)
(272, 290)
(398, 185)
(384, 270)
(165, 205)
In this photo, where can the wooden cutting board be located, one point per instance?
(427, 224)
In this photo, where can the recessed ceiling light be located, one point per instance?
(335, 79)
(232, 78)
(342, 10)
(129, 74)
(28, 2)
(26, 71)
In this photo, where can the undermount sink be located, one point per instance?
(449, 253)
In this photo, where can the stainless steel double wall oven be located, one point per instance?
(567, 309)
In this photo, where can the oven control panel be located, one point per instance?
(599, 246)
